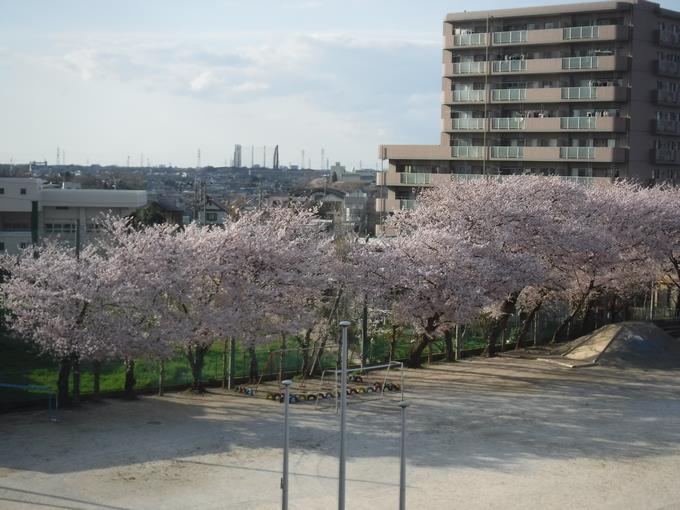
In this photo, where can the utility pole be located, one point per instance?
(343, 415)
(286, 440)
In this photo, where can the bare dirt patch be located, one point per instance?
(502, 433)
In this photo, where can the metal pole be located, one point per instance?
(343, 415)
(402, 473)
(284, 480)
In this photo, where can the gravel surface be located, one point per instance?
(484, 434)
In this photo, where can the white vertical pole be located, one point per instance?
(402, 454)
(284, 480)
(343, 416)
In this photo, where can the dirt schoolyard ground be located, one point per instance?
(483, 434)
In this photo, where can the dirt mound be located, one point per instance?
(625, 345)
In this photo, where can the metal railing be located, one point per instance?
(467, 123)
(669, 37)
(507, 152)
(510, 37)
(584, 180)
(578, 123)
(469, 67)
(467, 151)
(668, 67)
(580, 33)
(506, 123)
(407, 204)
(508, 94)
(579, 63)
(469, 39)
(415, 179)
(665, 156)
(577, 152)
(668, 126)
(579, 93)
(466, 177)
(509, 66)
(469, 95)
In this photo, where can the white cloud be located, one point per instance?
(203, 81)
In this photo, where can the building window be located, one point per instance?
(59, 228)
(211, 216)
(22, 245)
(22, 191)
(2, 246)
(62, 207)
(2, 191)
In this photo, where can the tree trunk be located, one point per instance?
(393, 343)
(96, 393)
(414, 360)
(499, 325)
(525, 326)
(567, 322)
(62, 382)
(196, 356)
(305, 345)
(129, 392)
(75, 367)
(161, 377)
(253, 373)
(448, 345)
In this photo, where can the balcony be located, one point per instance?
(668, 38)
(465, 68)
(465, 124)
(539, 66)
(393, 204)
(543, 36)
(507, 124)
(506, 152)
(591, 154)
(667, 97)
(538, 124)
(558, 95)
(467, 152)
(509, 66)
(414, 152)
(465, 40)
(665, 156)
(511, 37)
(464, 96)
(668, 68)
(667, 127)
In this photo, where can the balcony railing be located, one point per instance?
(469, 40)
(578, 123)
(507, 123)
(467, 123)
(669, 38)
(668, 67)
(469, 95)
(507, 152)
(667, 126)
(571, 33)
(581, 179)
(469, 67)
(577, 152)
(508, 94)
(467, 151)
(664, 156)
(415, 179)
(671, 97)
(579, 63)
(407, 204)
(509, 66)
(467, 177)
(511, 37)
(579, 93)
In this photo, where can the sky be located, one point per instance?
(158, 80)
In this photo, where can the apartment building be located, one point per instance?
(30, 211)
(588, 91)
